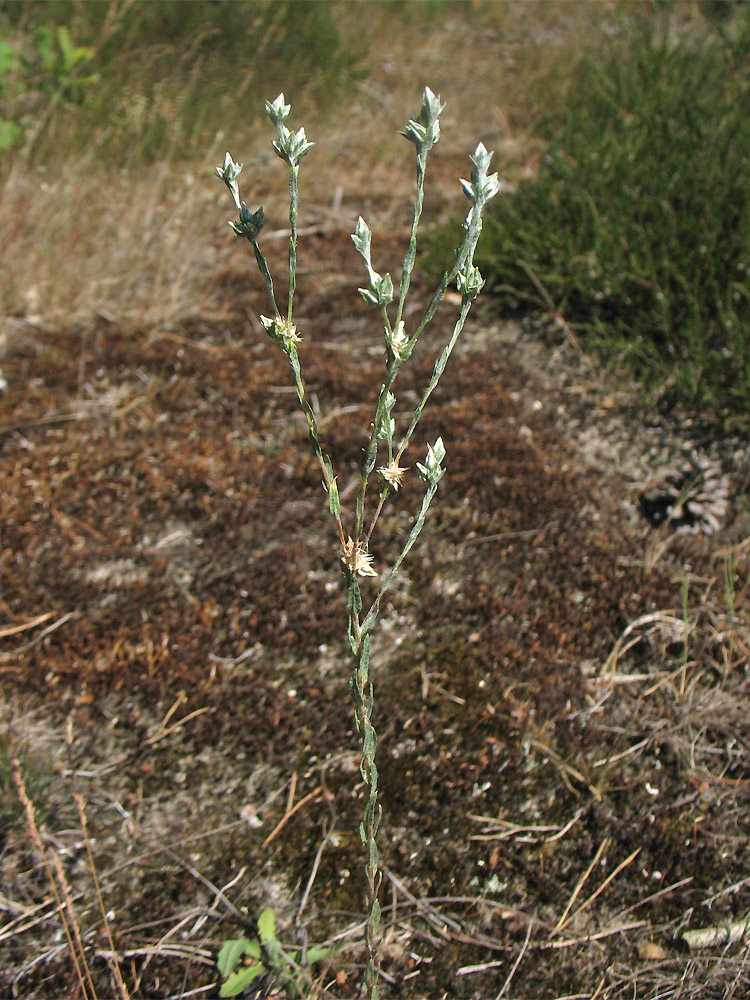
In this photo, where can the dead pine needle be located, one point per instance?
(565, 919)
(581, 882)
(290, 812)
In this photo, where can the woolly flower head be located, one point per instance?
(393, 474)
(357, 559)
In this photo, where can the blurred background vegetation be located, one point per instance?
(132, 77)
(621, 129)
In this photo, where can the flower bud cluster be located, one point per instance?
(432, 471)
(281, 331)
(397, 343)
(229, 172)
(387, 425)
(356, 558)
(380, 292)
(424, 132)
(250, 223)
(290, 146)
(481, 187)
(469, 281)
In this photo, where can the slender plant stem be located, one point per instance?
(372, 614)
(411, 252)
(312, 425)
(293, 206)
(438, 370)
(263, 268)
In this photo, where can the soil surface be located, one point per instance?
(561, 687)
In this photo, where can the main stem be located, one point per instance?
(362, 693)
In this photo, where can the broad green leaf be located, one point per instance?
(240, 980)
(46, 48)
(317, 955)
(334, 502)
(7, 60)
(233, 951)
(267, 926)
(9, 132)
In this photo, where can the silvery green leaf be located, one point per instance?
(334, 503)
(229, 170)
(387, 424)
(380, 292)
(481, 159)
(300, 145)
(375, 916)
(432, 106)
(281, 145)
(383, 289)
(468, 189)
(414, 132)
(292, 147)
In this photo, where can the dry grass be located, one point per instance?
(84, 238)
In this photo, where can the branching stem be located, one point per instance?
(424, 132)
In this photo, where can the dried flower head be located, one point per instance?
(280, 330)
(357, 559)
(393, 473)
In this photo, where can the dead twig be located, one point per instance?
(675, 627)
(588, 938)
(709, 937)
(219, 893)
(517, 962)
(163, 730)
(508, 830)
(567, 771)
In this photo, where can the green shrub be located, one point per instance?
(637, 226)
